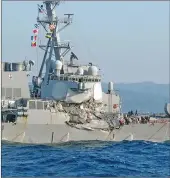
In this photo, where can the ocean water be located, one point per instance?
(136, 158)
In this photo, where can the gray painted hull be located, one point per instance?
(58, 133)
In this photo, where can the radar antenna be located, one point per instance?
(72, 56)
(50, 23)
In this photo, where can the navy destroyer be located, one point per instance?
(67, 102)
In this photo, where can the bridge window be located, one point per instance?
(32, 105)
(16, 92)
(9, 93)
(39, 105)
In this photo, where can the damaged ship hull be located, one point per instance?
(47, 132)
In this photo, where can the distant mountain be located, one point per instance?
(145, 97)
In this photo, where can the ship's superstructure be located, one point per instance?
(65, 80)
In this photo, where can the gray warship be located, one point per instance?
(67, 102)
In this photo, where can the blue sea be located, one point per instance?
(94, 159)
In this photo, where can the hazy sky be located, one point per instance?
(129, 41)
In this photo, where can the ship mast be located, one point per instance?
(54, 45)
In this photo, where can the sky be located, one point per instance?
(129, 41)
